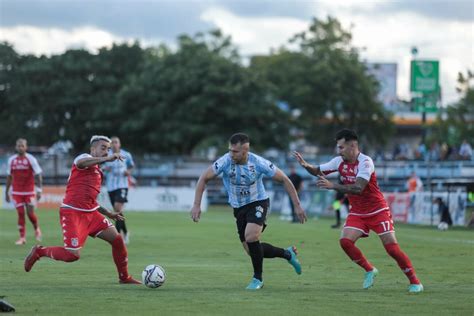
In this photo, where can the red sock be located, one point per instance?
(33, 219)
(119, 252)
(21, 220)
(57, 253)
(355, 254)
(403, 262)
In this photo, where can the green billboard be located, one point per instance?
(424, 76)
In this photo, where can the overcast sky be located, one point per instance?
(441, 29)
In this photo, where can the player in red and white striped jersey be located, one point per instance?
(368, 209)
(22, 170)
(81, 216)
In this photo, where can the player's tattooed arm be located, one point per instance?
(314, 170)
(90, 161)
(357, 188)
(114, 216)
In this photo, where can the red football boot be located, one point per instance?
(32, 257)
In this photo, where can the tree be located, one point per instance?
(456, 122)
(198, 95)
(326, 81)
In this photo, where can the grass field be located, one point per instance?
(207, 271)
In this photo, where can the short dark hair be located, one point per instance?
(347, 135)
(239, 138)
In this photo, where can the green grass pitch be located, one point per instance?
(207, 271)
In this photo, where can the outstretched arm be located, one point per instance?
(290, 188)
(314, 170)
(356, 188)
(207, 175)
(90, 161)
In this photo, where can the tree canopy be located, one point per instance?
(178, 100)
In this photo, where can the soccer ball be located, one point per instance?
(443, 226)
(153, 276)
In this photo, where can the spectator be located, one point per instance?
(433, 154)
(465, 151)
(420, 153)
(414, 183)
(297, 181)
(443, 210)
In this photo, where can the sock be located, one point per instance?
(338, 217)
(118, 225)
(33, 219)
(124, 227)
(256, 253)
(57, 253)
(355, 254)
(270, 251)
(21, 220)
(403, 261)
(119, 252)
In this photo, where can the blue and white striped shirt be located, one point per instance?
(114, 172)
(243, 183)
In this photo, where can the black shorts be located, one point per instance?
(255, 212)
(119, 196)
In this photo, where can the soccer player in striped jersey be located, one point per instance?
(22, 170)
(117, 173)
(242, 173)
(368, 209)
(81, 216)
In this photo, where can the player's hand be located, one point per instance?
(324, 183)
(38, 196)
(7, 198)
(196, 213)
(126, 173)
(115, 156)
(300, 159)
(300, 213)
(116, 216)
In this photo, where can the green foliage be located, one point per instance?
(176, 101)
(456, 123)
(328, 83)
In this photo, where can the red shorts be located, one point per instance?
(77, 225)
(21, 200)
(381, 223)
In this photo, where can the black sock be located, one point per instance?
(338, 217)
(270, 251)
(124, 227)
(119, 225)
(256, 253)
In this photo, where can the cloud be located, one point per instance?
(386, 38)
(34, 40)
(254, 35)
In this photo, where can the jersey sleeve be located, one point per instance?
(331, 166)
(265, 167)
(81, 156)
(365, 169)
(9, 165)
(129, 161)
(34, 164)
(220, 164)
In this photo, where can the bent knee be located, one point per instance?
(346, 243)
